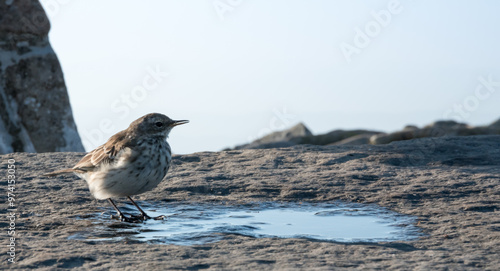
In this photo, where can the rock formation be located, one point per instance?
(35, 113)
(495, 125)
(293, 136)
(436, 129)
(279, 139)
(332, 137)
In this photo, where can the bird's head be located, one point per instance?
(154, 124)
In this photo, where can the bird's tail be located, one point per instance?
(58, 172)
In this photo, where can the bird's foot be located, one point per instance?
(141, 217)
(129, 219)
(160, 217)
(137, 218)
(146, 217)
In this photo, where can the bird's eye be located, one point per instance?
(159, 124)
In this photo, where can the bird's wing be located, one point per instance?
(104, 154)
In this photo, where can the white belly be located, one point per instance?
(127, 176)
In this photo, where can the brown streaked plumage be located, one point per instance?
(131, 162)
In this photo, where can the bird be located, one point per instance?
(131, 162)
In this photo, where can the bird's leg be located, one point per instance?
(120, 214)
(144, 215)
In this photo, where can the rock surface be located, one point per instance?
(35, 114)
(450, 184)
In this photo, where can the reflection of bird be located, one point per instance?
(131, 162)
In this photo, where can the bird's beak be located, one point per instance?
(179, 122)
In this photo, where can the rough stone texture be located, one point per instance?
(450, 184)
(35, 114)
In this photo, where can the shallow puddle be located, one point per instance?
(198, 224)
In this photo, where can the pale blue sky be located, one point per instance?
(255, 66)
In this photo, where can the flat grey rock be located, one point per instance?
(450, 184)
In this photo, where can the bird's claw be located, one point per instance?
(137, 218)
(145, 217)
(131, 219)
(160, 217)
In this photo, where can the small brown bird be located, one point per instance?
(131, 162)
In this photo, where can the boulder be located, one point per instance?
(35, 113)
(436, 129)
(495, 125)
(385, 138)
(330, 137)
(355, 140)
(441, 128)
(299, 130)
(278, 139)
